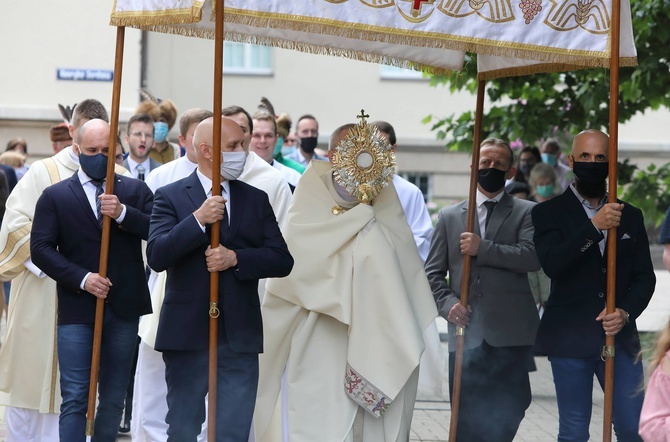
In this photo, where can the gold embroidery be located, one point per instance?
(589, 15)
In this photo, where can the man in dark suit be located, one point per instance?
(570, 237)
(501, 319)
(251, 247)
(65, 244)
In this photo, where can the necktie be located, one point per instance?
(140, 173)
(99, 190)
(490, 205)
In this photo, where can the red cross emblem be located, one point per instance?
(416, 6)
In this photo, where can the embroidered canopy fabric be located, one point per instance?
(511, 36)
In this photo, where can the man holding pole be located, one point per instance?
(65, 244)
(570, 236)
(251, 247)
(500, 320)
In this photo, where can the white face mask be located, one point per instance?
(232, 164)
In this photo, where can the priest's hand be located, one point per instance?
(110, 205)
(459, 315)
(211, 210)
(469, 243)
(97, 285)
(220, 258)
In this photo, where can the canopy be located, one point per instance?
(511, 38)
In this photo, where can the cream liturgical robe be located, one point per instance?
(28, 362)
(347, 324)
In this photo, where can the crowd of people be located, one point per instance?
(327, 299)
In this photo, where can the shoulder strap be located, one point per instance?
(52, 170)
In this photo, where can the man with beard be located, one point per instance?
(570, 238)
(500, 320)
(307, 130)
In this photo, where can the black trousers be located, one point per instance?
(495, 392)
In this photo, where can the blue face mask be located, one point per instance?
(549, 158)
(160, 131)
(545, 191)
(95, 166)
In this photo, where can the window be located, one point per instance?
(394, 73)
(246, 59)
(420, 180)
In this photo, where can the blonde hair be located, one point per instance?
(11, 158)
(662, 346)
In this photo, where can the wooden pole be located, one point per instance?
(106, 226)
(467, 260)
(608, 350)
(214, 239)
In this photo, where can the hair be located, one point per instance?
(139, 118)
(385, 127)
(89, 109)
(501, 143)
(662, 346)
(335, 136)
(158, 109)
(518, 175)
(16, 141)
(14, 159)
(264, 115)
(191, 116)
(542, 170)
(229, 111)
(284, 125)
(307, 117)
(553, 143)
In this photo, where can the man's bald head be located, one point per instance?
(589, 146)
(93, 137)
(338, 135)
(232, 139)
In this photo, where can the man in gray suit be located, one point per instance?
(501, 319)
(140, 140)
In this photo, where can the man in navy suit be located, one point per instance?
(570, 239)
(65, 244)
(251, 247)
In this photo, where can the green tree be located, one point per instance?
(535, 107)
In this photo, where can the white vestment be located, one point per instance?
(29, 377)
(346, 326)
(418, 218)
(149, 403)
(292, 176)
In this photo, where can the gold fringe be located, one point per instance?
(543, 68)
(139, 19)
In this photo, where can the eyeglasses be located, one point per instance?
(119, 157)
(142, 134)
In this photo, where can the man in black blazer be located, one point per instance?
(65, 244)
(251, 247)
(570, 238)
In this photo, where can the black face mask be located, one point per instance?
(95, 166)
(590, 178)
(308, 144)
(526, 168)
(492, 179)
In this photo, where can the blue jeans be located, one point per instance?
(75, 346)
(573, 379)
(186, 374)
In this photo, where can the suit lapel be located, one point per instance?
(500, 214)
(194, 190)
(78, 190)
(464, 218)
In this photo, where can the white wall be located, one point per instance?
(36, 38)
